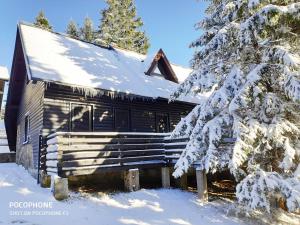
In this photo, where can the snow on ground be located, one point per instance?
(144, 207)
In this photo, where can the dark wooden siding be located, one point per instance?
(31, 104)
(142, 112)
(14, 93)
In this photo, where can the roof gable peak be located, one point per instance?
(161, 62)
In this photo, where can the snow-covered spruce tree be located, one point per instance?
(87, 32)
(120, 26)
(42, 22)
(249, 58)
(72, 29)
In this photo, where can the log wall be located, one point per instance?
(143, 113)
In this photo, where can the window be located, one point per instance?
(26, 129)
(122, 120)
(103, 118)
(162, 123)
(81, 117)
(143, 121)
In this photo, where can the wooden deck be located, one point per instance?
(84, 153)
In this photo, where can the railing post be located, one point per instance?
(120, 153)
(59, 160)
(43, 178)
(41, 146)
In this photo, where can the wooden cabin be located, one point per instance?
(77, 108)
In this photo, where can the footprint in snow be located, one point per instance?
(19, 221)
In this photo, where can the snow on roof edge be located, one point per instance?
(90, 91)
(4, 75)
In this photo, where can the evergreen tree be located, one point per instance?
(120, 26)
(72, 29)
(87, 32)
(250, 59)
(42, 22)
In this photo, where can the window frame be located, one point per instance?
(167, 115)
(91, 115)
(127, 110)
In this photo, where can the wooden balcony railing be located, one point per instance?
(82, 153)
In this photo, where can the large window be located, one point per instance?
(26, 128)
(81, 117)
(143, 121)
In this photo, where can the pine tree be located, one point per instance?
(87, 32)
(72, 29)
(42, 22)
(120, 26)
(249, 57)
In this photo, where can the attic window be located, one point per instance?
(26, 129)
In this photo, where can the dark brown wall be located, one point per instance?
(14, 94)
(31, 104)
(58, 100)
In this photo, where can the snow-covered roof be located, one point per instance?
(4, 73)
(56, 57)
(181, 72)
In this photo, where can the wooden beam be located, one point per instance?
(132, 179)
(165, 177)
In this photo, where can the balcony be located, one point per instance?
(84, 153)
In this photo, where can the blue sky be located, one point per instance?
(168, 23)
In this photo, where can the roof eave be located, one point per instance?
(29, 74)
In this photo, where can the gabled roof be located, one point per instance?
(4, 73)
(55, 57)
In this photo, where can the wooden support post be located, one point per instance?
(132, 180)
(45, 179)
(165, 177)
(202, 185)
(60, 188)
